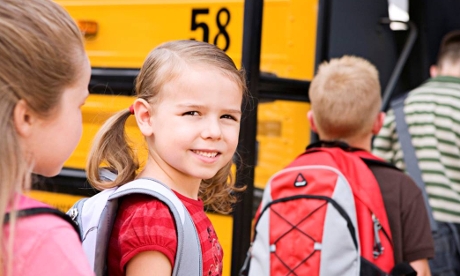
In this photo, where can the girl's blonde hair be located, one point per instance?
(41, 49)
(163, 64)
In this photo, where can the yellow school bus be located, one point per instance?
(120, 33)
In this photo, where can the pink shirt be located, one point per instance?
(46, 245)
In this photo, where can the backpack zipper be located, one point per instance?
(73, 213)
(378, 248)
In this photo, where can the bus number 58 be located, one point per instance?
(222, 21)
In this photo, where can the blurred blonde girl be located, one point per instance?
(44, 76)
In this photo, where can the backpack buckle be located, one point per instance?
(378, 248)
(73, 213)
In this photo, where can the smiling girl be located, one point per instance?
(188, 107)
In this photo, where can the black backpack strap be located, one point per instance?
(375, 162)
(400, 269)
(410, 159)
(403, 269)
(43, 210)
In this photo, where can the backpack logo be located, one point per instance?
(300, 181)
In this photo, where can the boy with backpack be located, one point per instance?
(337, 209)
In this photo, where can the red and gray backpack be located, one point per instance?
(323, 215)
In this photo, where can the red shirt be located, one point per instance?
(146, 224)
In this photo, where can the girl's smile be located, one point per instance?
(208, 154)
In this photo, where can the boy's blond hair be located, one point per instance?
(345, 97)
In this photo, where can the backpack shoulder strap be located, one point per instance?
(43, 210)
(410, 159)
(370, 159)
(189, 256)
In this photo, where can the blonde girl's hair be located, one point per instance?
(345, 97)
(41, 51)
(163, 64)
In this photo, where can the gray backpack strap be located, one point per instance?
(188, 256)
(410, 159)
(104, 232)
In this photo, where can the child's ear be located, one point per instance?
(378, 123)
(434, 71)
(23, 119)
(311, 119)
(143, 112)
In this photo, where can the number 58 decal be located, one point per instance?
(222, 21)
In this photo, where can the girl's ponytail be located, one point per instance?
(111, 150)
